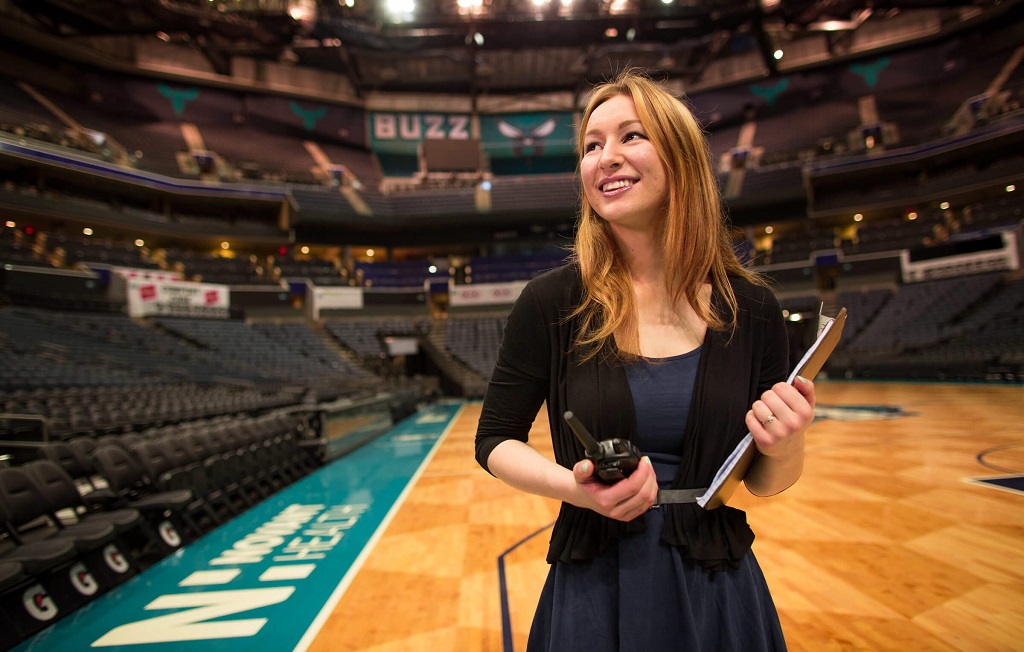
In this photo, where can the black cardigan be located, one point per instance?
(534, 365)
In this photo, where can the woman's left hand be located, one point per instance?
(778, 420)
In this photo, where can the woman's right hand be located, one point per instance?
(623, 501)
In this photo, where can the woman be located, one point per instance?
(655, 334)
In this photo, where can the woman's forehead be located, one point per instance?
(613, 112)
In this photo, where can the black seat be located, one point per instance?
(110, 438)
(128, 481)
(242, 464)
(79, 468)
(25, 604)
(26, 518)
(39, 557)
(192, 470)
(83, 448)
(59, 452)
(169, 468)
(63, 581)
(11, 575)
(221, 471)
(61, 497)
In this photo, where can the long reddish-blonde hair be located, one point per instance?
(694, 235)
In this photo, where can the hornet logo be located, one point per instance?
(309, 117)
(770, 93)
(178, 97)
(870, 71)
(524, 138)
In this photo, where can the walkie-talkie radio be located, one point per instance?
(614, 459)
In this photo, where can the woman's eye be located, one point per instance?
(589, 147)
(634, 135)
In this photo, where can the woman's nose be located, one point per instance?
(610, 157)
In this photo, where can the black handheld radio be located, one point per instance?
(614, 459)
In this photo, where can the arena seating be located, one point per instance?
(109, 507)
(404, 274)
(81, 249)
(966, 327)
(15, 249)
(318, 271)
(475, 341)
(502, 269)
(147, 433)
(365, 336)
(219, 269)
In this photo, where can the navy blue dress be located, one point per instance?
(642, 595)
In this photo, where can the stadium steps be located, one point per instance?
(333, 345)
(470, 384)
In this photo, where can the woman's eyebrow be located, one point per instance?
(622, 125)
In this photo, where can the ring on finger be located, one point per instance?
(771, 417)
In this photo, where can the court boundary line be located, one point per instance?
(995, 449)
(984, 482)
(506, 615)
(357, 565)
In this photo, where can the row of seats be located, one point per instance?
(59, 551)
(475, 341)
(94, 511)
(969, 327)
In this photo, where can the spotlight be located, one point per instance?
(398, 9)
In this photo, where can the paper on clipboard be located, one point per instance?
(732, 471)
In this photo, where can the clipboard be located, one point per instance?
(733, 470)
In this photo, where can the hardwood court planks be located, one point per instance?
(880, 546)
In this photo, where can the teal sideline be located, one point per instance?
(262, 579)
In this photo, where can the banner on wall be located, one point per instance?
(332, 298)
(484, 293)
(148, 298)
(401, 133)
(510, 135)
(118, 279)
(519, 135)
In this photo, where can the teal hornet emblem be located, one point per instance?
(178, 97)
(771, 93)
(309, 117)
(523, 138)
(870, 71)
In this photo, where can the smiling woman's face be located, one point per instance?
(623, 177)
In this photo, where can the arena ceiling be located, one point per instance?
(509, 46)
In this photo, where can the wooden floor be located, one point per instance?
(882, 545)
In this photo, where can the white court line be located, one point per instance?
(339, 591)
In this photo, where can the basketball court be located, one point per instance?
(906, 532)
